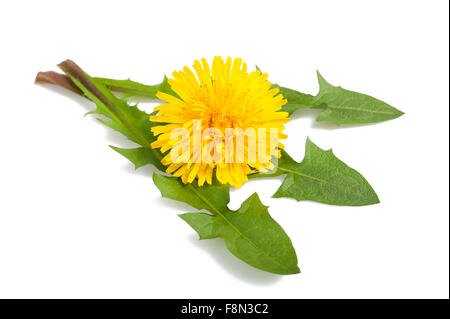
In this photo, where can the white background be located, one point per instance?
(77, 221)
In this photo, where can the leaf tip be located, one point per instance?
(309, 145)
(276, 194)
(292, 270)
(319, 76)
(399, 113)
(296, 270)
(156, 179)
(323, 84)
(376, 199)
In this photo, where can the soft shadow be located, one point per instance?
(147, 172)
(81, 100)
(216, 248)
(144, 171)
(177, 206)
(331, 126)
(114, 137)
(306, 113)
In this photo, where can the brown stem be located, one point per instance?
(58, 79)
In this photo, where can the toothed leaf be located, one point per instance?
(249, 233)
(323, 178)
(347, 107)
(120, 116)
(139, 126)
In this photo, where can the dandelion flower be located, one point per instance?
(224, 98)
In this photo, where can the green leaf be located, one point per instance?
(213, 197)
(296, 100)
(249, 233)
(347, 107)
(120, 116)
(134, 89)
(340, 106)
(323, 178)
(128, 119)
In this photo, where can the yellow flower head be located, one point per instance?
(229, 121)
